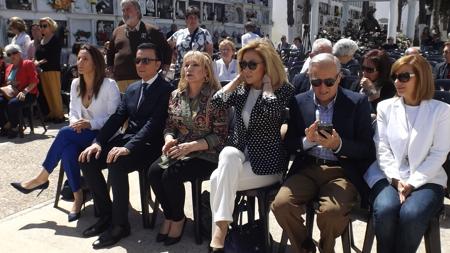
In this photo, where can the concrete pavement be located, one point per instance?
(30, 224)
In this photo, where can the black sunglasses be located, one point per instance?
(368, 69)
(402, 77)
(144, 61)
(43, 26)
(250, 64)
(13, 53)
(317, 82)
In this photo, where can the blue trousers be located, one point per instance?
(400, 227)
(66, 147)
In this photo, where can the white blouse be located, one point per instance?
(23, 41)
(101, 107)
(223, 73)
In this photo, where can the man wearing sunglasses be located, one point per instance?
(442, 70)
(329, 165)
(124, 42)
(144, 105)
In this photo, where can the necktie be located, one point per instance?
(144, 86)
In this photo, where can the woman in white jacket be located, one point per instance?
(412, 143)
(93, 98)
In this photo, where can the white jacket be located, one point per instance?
(427, 146)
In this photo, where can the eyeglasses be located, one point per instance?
(317, 82)
(43, 26)
(402, 77)
(144, 61)
(224, 50)
(12, 53)
(368, 69)
(250, 64)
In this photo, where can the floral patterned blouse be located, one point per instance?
(193, 119)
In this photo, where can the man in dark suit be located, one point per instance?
(442, 70)
(144, 104)
(329, 165)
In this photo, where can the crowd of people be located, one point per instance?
(362, 132)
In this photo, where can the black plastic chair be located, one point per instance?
(264, 195)
(29, 108)
(442, 84)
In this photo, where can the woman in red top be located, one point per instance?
(22, 76)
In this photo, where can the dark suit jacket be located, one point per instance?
(145, 124)
(351, 119)
(441, 70)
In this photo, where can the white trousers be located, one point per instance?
(233, 174)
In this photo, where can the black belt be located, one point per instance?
(320, 161)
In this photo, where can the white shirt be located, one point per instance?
(23, 41)
(223, 73)
(101, 107)
(246, 38)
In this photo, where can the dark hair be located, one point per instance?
(99, 63)
(381, 61)
(250, 26)
(76, 48)
(298, 38)
(192, 10)
(152, 46)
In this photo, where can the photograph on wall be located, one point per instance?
(82, 6)
(180, 9)
(150, 8)
(104, 31)
(104, 7)
(165, 9)
(19, 4)
(80, 31)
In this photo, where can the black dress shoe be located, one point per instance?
(215, 250)
(12, 133)
(161, 237)
(100, 226)
(172, 240)
(24, 190)
(3, 132)
(111, 236)
(73, 216)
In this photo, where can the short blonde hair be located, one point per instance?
(52, 23)
(271, 60)
(206, 62)
(17, 23)
(228, 42)
(424, 86)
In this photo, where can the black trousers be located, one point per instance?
(168, 183)
(9, 109)
(139, 159)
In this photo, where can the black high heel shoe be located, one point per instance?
(75, 216)
(24, 190)
(172, 240)
(215, 250)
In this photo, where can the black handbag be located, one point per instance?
(245, 238)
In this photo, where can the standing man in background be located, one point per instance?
(250, 34)
(124, 42)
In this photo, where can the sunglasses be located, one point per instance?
(43, 26)
(402, 77)
(13, 53)
(368, 69)
(144, 61)
(250, 64)
(317, 82)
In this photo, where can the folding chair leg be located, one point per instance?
(433, 237)
(59, 186)
(345, 237)
(196, 186)
(144, 192)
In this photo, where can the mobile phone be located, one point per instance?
(328, 127)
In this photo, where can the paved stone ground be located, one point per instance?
(31, 224)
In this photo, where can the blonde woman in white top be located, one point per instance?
(93, 98)
(21, 38)
(412, 144)
(225, 69)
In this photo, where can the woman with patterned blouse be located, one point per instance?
(254, 156)
(194, 135)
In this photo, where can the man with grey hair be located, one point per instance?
(412, 50)
(125, 40)
(319, 46)
(330, 133)
(344, 50)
